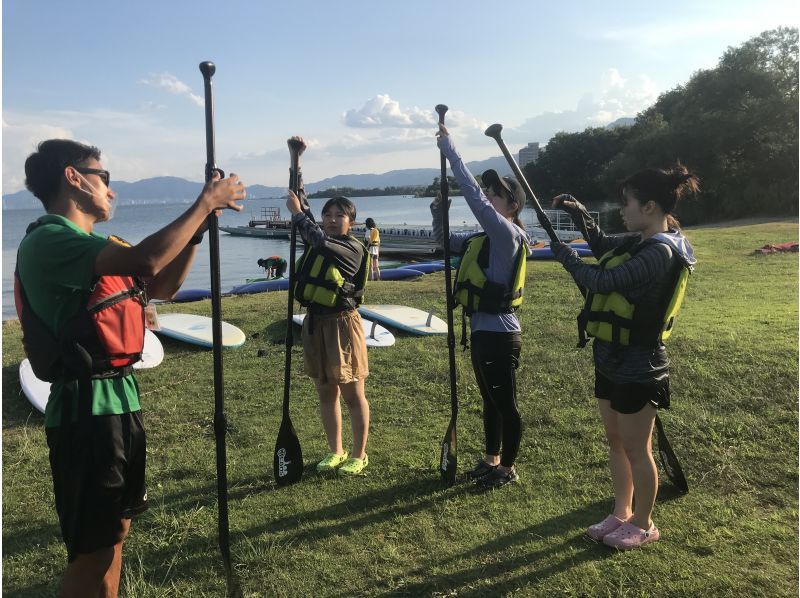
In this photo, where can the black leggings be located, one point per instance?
(495, 358)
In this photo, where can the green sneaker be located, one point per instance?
(354, 466)
(331, 461)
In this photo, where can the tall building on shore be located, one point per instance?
(528, 154)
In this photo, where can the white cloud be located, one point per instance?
(383, 111)
(19, 141)
(173, 85)
(618, 97)
(134, 145)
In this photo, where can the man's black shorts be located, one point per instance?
(98, 479)
(631, 397)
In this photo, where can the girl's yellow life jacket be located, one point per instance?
(319, 281)
(613, 318)
(475, 292)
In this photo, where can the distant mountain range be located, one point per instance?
(166, 189)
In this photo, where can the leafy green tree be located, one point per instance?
(735, 126)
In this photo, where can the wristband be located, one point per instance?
(195, 240)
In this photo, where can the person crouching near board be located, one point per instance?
(489, 285)
(331, 276)
(634, 294)
(80, 299)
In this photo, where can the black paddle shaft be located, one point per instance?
(287, 462)
(448, 460)
(294, 185)
(220, 421)
(494, 132)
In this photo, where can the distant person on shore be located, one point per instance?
(82, 338)
(489, 284)
(372, 238)
(331, 277)
(274, 266)
(634, 294)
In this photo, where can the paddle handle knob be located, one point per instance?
(208, 69)
(493, 131)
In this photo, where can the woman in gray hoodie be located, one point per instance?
(634, 293)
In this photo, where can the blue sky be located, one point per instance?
(358, 79)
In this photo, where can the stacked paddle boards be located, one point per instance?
(376, 335)
(38, 391)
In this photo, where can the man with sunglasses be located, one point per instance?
(93, 416)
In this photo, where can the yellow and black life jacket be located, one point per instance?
(320, 282)
(475, 292)
(103, 340)
(374, 237)
(612, 318)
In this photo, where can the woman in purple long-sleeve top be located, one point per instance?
(496, 334)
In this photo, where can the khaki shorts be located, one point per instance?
(335, 348)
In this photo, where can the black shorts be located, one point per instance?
(98, 479)
(632, 397)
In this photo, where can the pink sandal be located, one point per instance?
(599, 530)
(628, 536)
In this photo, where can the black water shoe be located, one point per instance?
(481, 470)
(498, 478)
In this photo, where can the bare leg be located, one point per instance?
(618, 462)
(96, 573)
(331, 415)
(356, 401)
(636, 431)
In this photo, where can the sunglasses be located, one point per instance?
(104, 175)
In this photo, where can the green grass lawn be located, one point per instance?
(397, 531)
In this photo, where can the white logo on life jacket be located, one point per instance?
(283, 464)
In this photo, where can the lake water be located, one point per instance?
(238, 255)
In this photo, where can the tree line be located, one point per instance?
(352, 192)
(735, 126)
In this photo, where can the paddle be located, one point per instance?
(494, 132)
(669, 461)
(220, 421)
(448, 463)
(672, 466)
(287, 463)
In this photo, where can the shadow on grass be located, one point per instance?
(29, 537)
(275, 333)
(577, 549)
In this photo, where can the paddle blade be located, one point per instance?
(669, 461)
(448, 462)
(287, 464)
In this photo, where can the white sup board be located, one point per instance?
(152, 353)
(409, 319)
(38, 391)
(196, 330)
(376, 335)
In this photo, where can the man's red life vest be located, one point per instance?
(103, 340)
